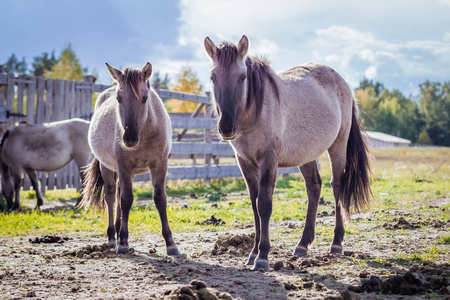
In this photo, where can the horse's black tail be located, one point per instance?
(355, 185)
(92, 187)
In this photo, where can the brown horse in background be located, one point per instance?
(288, 120)
(40, 147)
(130, 134)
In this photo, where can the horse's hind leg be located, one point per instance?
(313, 184)
(17, 180)
(109, 180)
(337, 155)
(159, 196)
(81, 160)
(251, 177)
(36, 186)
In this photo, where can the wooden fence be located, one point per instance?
(40, 100)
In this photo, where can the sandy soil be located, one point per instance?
(212, 265)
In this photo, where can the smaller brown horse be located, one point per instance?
(44, 147)
(286, 120)
(130, 134)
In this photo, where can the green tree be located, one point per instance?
(161, 83)
(424, 138)
(16, 66)
(434, 101)
(388, 111)
(67, 67)
(187, 82)
(43, 63)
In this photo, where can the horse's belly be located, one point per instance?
(44, 162)
(301, 149)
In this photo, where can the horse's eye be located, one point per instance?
(144, 99)
(242, 78)
(119, 99)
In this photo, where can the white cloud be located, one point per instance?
(371, 72)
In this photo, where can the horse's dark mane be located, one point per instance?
(258, 69)
(4, 138)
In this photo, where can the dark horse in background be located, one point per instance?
(40, 147)
(288, 120)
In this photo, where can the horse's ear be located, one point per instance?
(116, 74)
(243, 46)
(147, 71)
(211, 49)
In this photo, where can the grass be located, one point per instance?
(401, 178)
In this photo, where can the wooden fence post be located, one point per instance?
(208, 135)
(10, 96)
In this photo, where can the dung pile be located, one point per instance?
(95, 251)
(432, 279)
(233, 244)
(402, 223)
(212, 221)
(49, 239)
(196, 290)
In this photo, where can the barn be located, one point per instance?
(383, 140)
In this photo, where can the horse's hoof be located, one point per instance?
(261, 264)
(122, 249)
(112, 245)
(251, 260)
(300, 251)
(335, 249)
(173, 251)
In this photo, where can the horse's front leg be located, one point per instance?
(251, 176)
(313, 184)
(268, 175)
(159, 196)
(110, 197)
(126, 201)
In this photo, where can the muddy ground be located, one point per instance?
(212, 265)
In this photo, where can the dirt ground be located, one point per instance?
(212, 264)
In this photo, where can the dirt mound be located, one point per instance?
(427, 279)
(197, 290)
(402, 223)
(49, 239)
(94, 251)
(233, 244)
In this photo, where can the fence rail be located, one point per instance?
(40, 100)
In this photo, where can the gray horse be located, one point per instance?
(289, 120)
(44, 147)
(130, 134)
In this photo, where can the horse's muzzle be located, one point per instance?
(130, 139)
(227, 132)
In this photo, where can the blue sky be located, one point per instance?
(400, 43)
